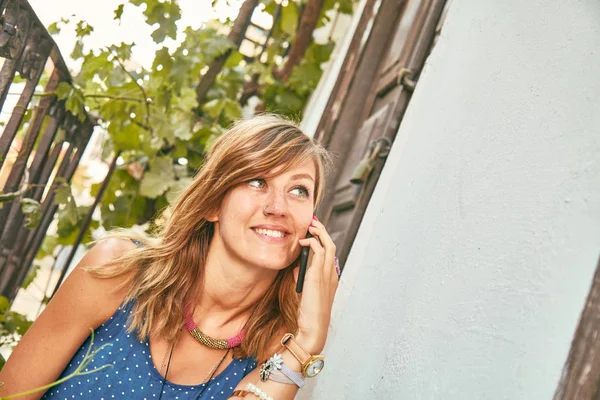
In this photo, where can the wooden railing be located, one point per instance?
(35, 155)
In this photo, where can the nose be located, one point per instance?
(276, 204)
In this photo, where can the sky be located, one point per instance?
(107, 31)
(133, 28)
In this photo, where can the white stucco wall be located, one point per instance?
(474, 258)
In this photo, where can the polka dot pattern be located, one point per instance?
(133, 375)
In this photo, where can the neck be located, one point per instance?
(230, 287)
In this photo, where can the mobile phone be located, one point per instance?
(303, 265)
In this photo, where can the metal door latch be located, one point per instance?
(378, 148)
(404, 79)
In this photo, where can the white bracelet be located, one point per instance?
(275, 370)
(286, 375)
(257, 392)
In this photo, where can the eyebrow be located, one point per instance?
(302, 176)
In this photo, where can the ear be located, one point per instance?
(213, 216)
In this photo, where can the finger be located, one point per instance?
(322, 232)
(324, 238)
(318, 252)
(314, 244)
(329, 246)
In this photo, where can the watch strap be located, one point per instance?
(289, 341)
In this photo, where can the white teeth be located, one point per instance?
(269, 232)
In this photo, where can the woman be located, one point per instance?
(200, 309)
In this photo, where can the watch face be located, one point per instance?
(314, 368)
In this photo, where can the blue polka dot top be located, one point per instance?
(133, 375)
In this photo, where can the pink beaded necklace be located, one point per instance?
(203, 338)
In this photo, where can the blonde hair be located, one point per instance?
(165, 274)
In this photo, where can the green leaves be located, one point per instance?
(305, 77)
(32, 211)
(122, 50)
(63, 90)
(74, 99)
(165, 14)
(31, 275)
(12, 324)
(158, 178)
(215, 45)
(214, 108)
(4, 305)
(177, 189)
(230, 109)
(319, 53)
(163, 62)
(187, 100)
(234, 59)
(82, 30)
(289, 18)
(68, 214)
(119, 12)
(64, 197)
(152, 115)
(95, 65)
(48, 245)
(125, 136)
(345, 6)
(54, 28)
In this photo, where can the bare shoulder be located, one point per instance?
(82, 285)
(86, 301)
(109, 249)
(83, 302)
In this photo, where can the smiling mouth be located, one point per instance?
(269, 232)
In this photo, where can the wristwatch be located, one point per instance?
(311, 365)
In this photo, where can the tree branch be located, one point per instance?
(93, 96)
(108, 96)
(250, 89)
(236, 36)
(308, 22)
(4, 197)
(147, 116)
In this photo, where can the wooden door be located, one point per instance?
(390, 45)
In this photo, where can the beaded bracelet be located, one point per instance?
(257, 392)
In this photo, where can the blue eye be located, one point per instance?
(257, 183)
(302, 190)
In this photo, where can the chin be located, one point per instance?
(269, 263)
(273, 267)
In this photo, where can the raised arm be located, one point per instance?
(81, 303)
(320, 285)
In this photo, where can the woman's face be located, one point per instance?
(260, 221)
